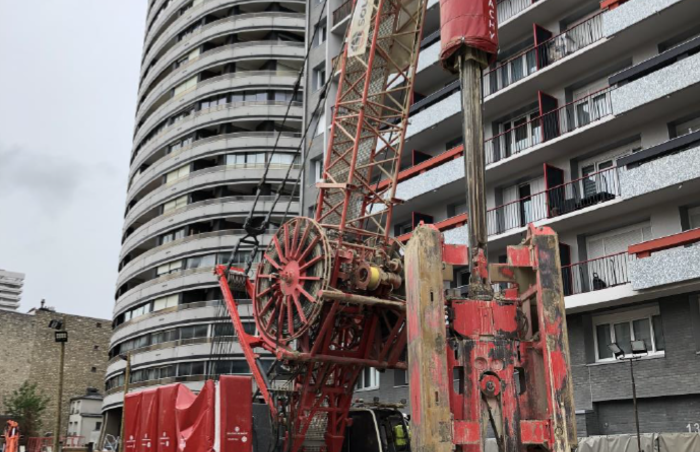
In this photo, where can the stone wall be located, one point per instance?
(31, 354)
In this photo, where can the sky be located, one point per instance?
(68, 81)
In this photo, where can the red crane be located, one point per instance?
(329, 297)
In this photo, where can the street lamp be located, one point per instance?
(638, 349)
(60, 337)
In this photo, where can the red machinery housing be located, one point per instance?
(330, 298)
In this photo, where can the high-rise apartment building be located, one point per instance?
(592, 127)
(217, 81)
(11, 284)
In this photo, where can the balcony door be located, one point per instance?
(590, 104)
(521, 133)
(607, 259)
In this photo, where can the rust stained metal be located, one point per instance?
(427, 341)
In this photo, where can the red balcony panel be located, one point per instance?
(645, 249)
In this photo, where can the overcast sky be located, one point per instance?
(68, 80)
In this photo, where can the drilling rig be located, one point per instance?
(336, 294)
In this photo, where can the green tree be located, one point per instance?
(26, 406)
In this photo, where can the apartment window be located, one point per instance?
(368, 380)
(170, 267)
(321, 124)
(319, 76)
(171, 236)
(229, 367)
(694, 217)
(186, 369)
(688, 126)
(93, 369)
(400, 377)
(593, 181)
(164, 336)
(208, 260)
(318, 170)
(321, 35)
(624, 327)
(165, 302)
(185, 86)
(521, 133)
(179, 173)
(98, 426)
(194, 331)
(590, 103)
(175, 204)
(456, 208)
(223, 329)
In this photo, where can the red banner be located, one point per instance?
(148, 421)
(170, 419)
(195, 420)
(236, 413)
(470, 23)
(132, 421)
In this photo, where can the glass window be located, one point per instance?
(224, 329)
(627, 326)
(686, 127)
(208, 260)
(368, 380)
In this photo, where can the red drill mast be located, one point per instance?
(329, 297)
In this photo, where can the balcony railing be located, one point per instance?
(538, 57)
(342, 12)
(550, 125)
(509, 8)
(578, 194)
(596, 274)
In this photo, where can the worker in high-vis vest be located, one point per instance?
(402, 436)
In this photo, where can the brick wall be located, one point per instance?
(34, 356)
(663, 384)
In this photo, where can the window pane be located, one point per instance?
(603, 337)
(239, 367)
(659, 338)
(642, 332)
(249, 327)
(187, 332)
(223, 329)
(200, 331)
(623, 337)
(198, 368)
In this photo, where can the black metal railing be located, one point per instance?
(596, 274)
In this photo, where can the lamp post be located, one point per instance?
(638, 349)
(127, 376)
(61, 337)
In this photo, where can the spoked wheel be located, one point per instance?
(295, 268)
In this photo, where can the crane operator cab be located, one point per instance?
(377, 430)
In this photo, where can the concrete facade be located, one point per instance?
(10, 290)
(593, 132)
(30, 354)
(217, 78)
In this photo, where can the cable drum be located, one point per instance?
(295, 269)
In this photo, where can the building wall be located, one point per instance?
(205, 158)
(31, 354)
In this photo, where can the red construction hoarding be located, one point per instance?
(236, 413)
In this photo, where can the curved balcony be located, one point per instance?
(219, 55)
(214, 86)
(188, 350)
(183, 248)
(164, 318)
(270, 20)
(155, 25)
(190, 16)
(210, 208)
(208, 147)
(167, 284)
(205, 178)
(247, 110)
